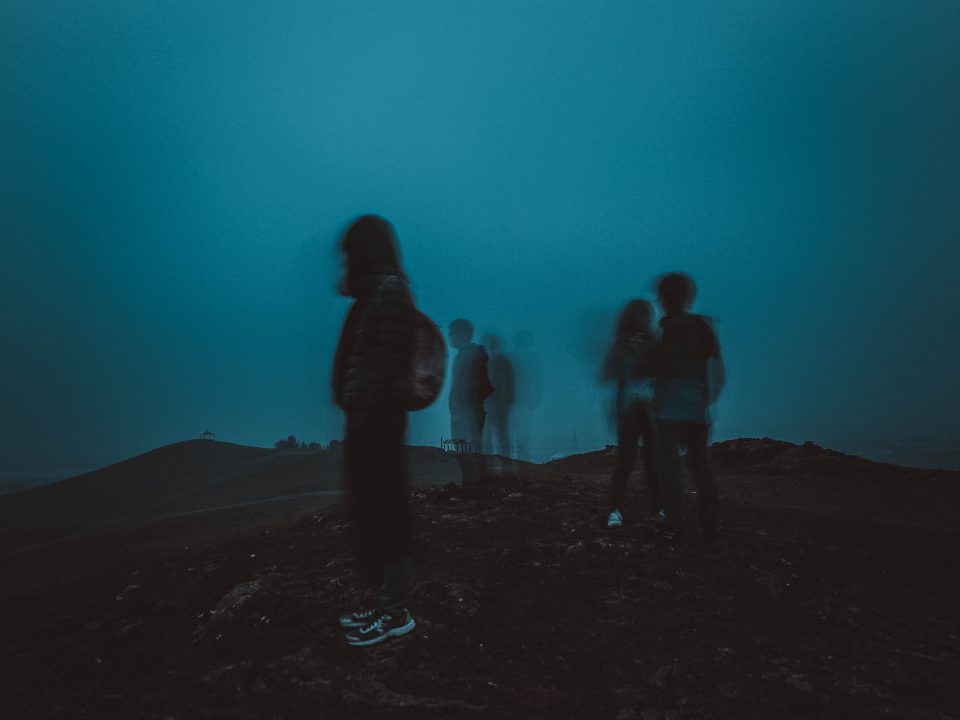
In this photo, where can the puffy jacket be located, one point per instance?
(632, 363)
(373, 365)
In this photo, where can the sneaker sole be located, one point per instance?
(396, 632)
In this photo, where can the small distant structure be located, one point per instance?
(207, 436)
(462, 447)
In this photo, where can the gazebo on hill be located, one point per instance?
(463, 447)
(207, 436)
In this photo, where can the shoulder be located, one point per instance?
(706, 326)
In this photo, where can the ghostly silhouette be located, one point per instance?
(371, 374)
(469, 388)
(499, 405)
(527, 394)
(470, 385)
(631, 362)
(690, 377)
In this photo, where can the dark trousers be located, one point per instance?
(466, 423)
(673, 436)
(498, 431)
(392, 594)
(637, 422)
(376, 484)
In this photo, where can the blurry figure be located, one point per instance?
(500, 404)
(690, 377)
(527, 393)
(470, 385)
(469, 388)
(371, 373)
(631, 363)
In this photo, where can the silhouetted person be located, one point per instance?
(371, 375)
(527, 391)
(500, 404)
(631, 363)
(689, 379)
(469, 388)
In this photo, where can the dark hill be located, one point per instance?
(174, 495)
(831, 593)
(133, 485)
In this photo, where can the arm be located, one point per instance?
(484, 387)
(716, 373)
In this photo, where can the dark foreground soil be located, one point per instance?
(831, 592)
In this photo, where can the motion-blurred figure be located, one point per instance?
(631, 363)
(690, 377)
(469, 388)
(527, 393)
(371, 375)
(500, 404)
(470, 385)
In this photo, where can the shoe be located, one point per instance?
(669, 527)
(383, 627)
(358, 619)
(614, 519)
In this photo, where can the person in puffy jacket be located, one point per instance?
(371, 377)
(631, 363)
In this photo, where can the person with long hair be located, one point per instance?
(371, 377)
(631, 363)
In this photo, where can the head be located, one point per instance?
(461, 332)
(635, 317)
(676, 291)
(369, 248)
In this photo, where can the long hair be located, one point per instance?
(636, 317)
(370, 248)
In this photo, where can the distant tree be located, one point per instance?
(289, 444)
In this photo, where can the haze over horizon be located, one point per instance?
(174, 179)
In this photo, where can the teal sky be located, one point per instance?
(174, 175)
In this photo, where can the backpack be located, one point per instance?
(429, 363)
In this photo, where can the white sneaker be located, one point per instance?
(614, 519)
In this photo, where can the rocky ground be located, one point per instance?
(832, 592)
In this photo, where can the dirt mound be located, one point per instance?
(822, 598)
(765, 456)
(759, 456)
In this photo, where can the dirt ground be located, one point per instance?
(831, 592)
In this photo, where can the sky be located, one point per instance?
(174, 177)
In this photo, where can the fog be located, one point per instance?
(174, 178)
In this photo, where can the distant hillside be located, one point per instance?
(190, 478)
